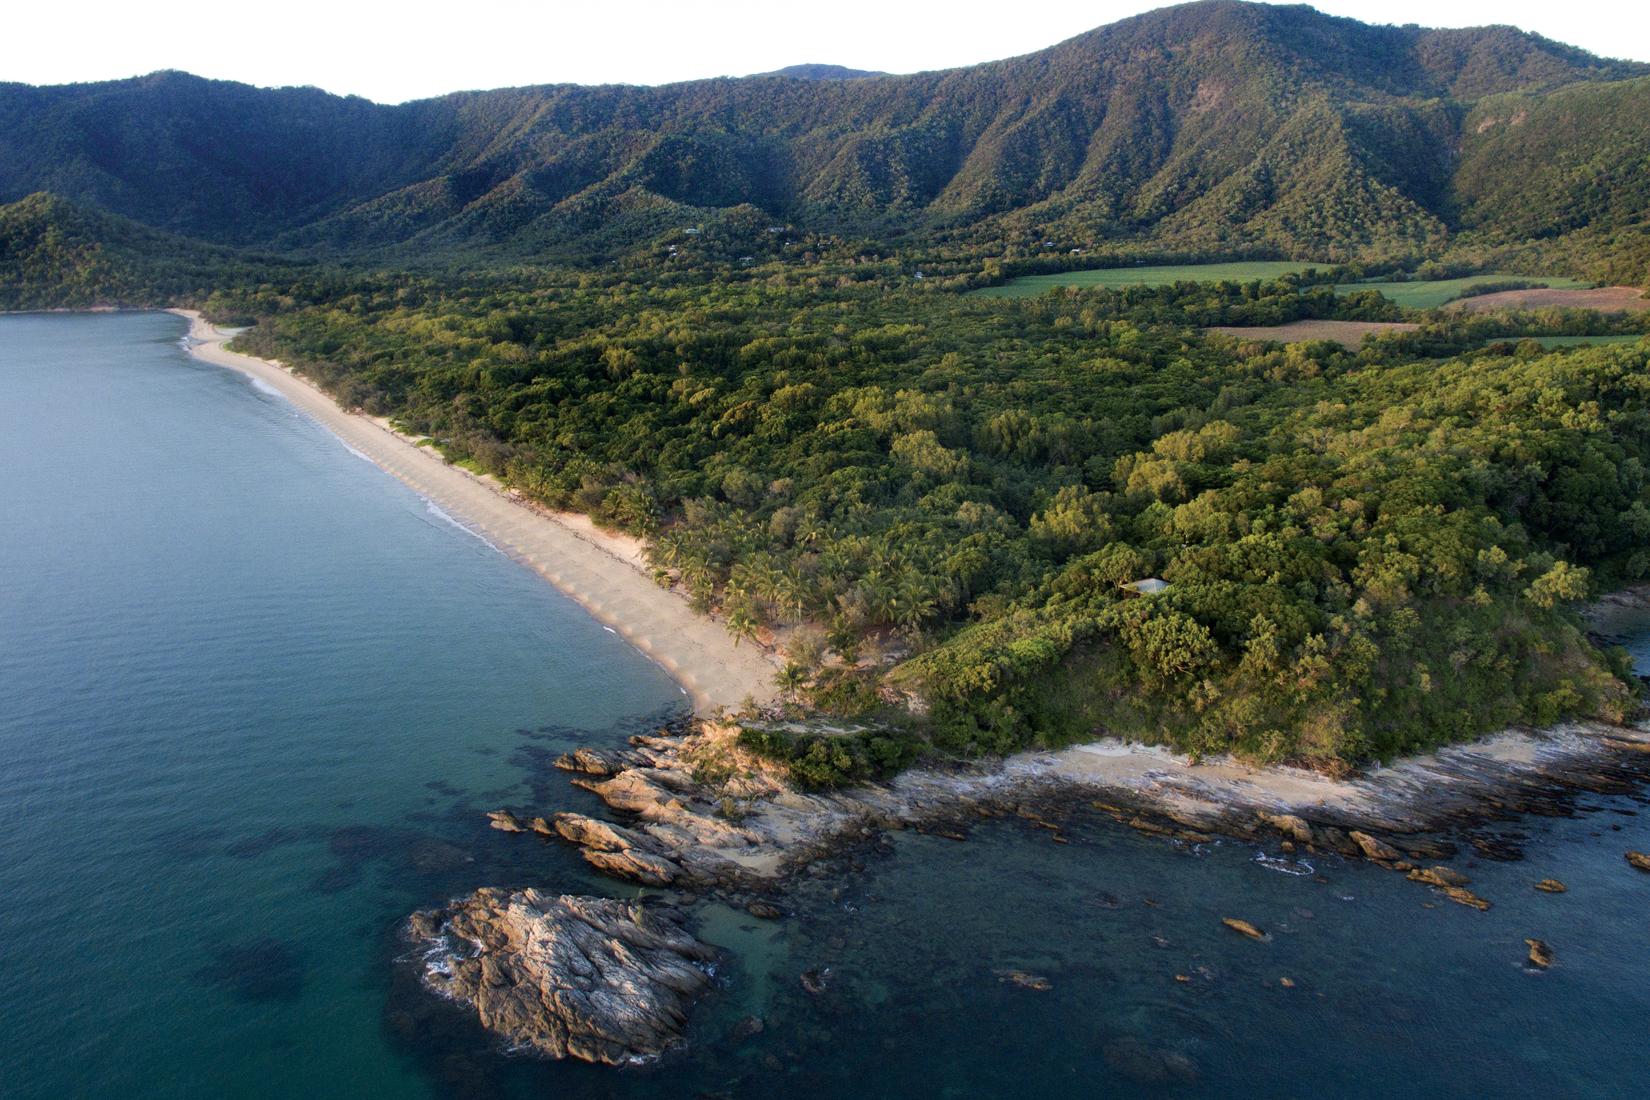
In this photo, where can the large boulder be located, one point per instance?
(599, 979)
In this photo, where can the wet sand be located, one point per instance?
(606, 573)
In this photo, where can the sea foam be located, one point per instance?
(435, 510)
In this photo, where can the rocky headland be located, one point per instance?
(599, 979)
(693, 813)
(696, 812)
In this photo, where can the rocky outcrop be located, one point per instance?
(1441, 877)
(1244, 927)
(589, 761)
(1460, 895)
(1541, 955)
(699, 813)
(1639, 860)
(599, 979)
(1374, 848)
(506, 822)
(620, 852)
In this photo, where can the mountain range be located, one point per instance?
(1212, 127)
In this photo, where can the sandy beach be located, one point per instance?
(606, 573)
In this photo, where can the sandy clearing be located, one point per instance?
(1349, 334)
(606, 573)
(1608, 299)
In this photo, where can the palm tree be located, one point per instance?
(791, 679)
(743, 622)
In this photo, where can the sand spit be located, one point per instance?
(604, 572)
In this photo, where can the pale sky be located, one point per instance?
(394, 51)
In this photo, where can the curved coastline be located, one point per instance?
(605, 573)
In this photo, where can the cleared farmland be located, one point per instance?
(1605, 299)
(1432, 293)
(1029, 286)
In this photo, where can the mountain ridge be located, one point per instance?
(1213, 126)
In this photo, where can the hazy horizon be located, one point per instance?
(347, 50)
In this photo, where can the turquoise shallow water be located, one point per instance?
(254, 695)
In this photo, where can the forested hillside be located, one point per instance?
(55, 254)
(1211, 127)
(1367, 552)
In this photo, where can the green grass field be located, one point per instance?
(1570, 341)
(1436, 292)
(1029, 286)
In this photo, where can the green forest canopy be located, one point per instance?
(1367, 553)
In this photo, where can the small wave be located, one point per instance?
(435, 510)
(264, 387)
(362, 455)
(610, 630)
(1285, 866)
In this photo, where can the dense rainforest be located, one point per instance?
(936, 500)
(729, 316)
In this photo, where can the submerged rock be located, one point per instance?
(747, 1028)
(1148, 1065)
(599, 979)
(1025, 980)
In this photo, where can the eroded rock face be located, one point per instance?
(565, 976)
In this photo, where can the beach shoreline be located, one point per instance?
(605, 573)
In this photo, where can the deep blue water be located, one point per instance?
(255, 695)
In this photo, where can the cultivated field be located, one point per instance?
(1029, 286)
(1349, 334)
(1605, 299)
(1432, 293)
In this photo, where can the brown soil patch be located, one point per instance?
(1349, 334)
(1607, 299)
